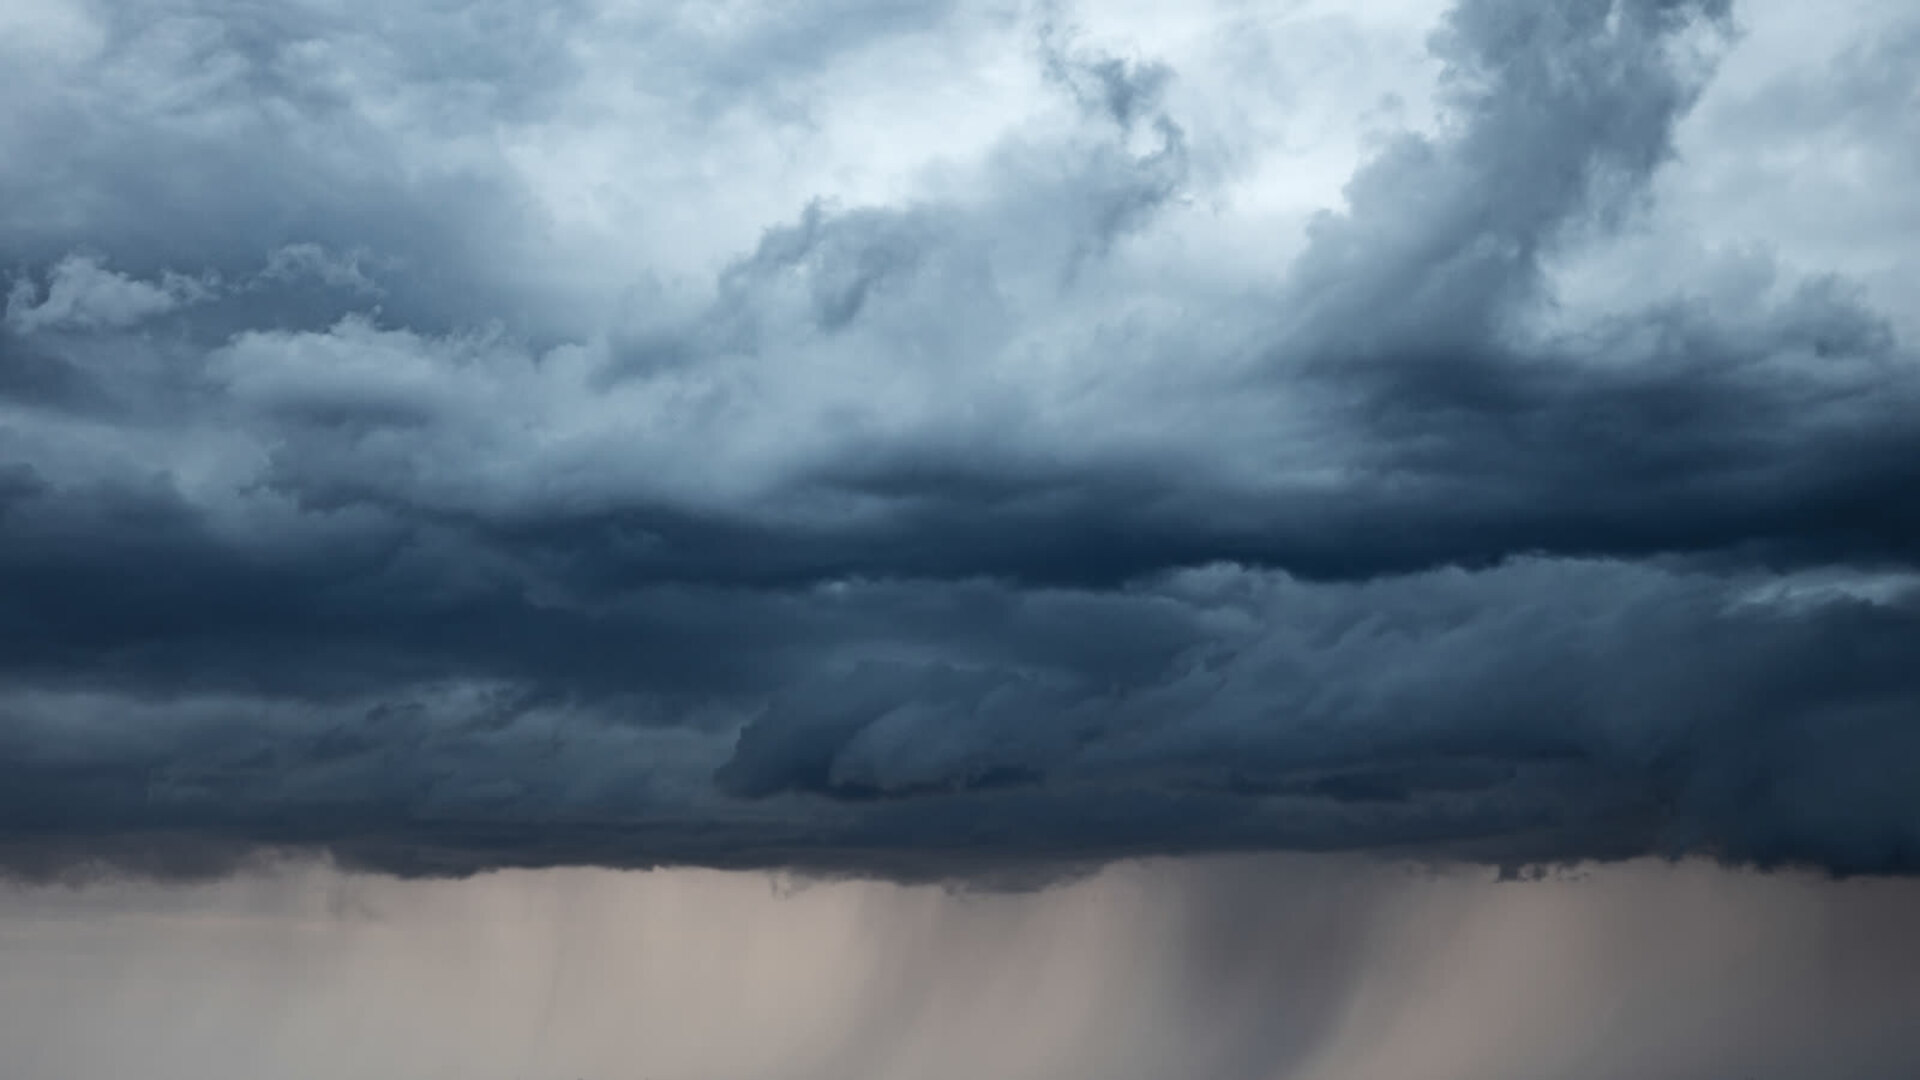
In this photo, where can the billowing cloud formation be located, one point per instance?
(904, 439)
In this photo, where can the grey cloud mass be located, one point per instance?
(945, 440)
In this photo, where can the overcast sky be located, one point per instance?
(926, 438)
(959, 441)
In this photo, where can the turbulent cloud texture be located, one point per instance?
(957, 440)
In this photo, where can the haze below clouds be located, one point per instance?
(1299, 967)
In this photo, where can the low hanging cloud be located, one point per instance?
(398, 475)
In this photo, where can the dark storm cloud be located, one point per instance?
(1545, 710)
(951, 535)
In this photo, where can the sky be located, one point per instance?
(1313, 967)
(1028, 451)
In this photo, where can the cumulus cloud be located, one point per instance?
(471, 448)
(82, 294)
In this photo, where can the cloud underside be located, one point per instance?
(973, 533)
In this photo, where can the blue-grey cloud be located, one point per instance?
(348, 503)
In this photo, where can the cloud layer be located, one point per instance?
(913, 439)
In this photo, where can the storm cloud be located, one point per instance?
(944, 441)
